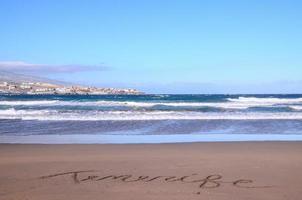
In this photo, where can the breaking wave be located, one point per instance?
(156, 107)
(150, 114)
(139, 115)
(28, 103)
(231, 103)
(296, 107)
(272, 100)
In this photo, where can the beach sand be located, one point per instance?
(217, 171)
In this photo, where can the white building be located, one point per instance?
(43, 90)
(64, 90)
(25, 86)
(4, 84)
(12, 87)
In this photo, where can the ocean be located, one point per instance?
(149, 118)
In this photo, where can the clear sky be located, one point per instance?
(158, 46)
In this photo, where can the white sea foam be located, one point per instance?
(140, 115)
(12, 112)
(296, 107)
(239, 103)
(27, 103)
(144, 139)
(266, 100)
(224, 105)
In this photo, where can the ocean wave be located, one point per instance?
(232, 103)
(296, 107)
(139, 115)
(11, 113)
(28, 103)
(265, 100)
(129, 104)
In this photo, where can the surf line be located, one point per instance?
(207, 182)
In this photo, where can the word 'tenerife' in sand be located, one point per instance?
(207, 182)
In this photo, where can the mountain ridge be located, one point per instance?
(6, 76)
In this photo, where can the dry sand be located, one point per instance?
(217, 171)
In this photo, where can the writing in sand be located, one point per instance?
(206, 182)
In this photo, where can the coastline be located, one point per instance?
(217, 170)
(62, 147)
(146, 139)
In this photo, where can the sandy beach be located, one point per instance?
(218, 171)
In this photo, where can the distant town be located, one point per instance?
(49, 88)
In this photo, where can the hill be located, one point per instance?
(6, 76)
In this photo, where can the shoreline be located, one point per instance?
(146, 139)
(150, 144)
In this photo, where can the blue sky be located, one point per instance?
(158, 46)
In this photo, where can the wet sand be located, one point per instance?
(218, 171)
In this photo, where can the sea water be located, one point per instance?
(149, 118)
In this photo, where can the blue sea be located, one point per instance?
(149, 118)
